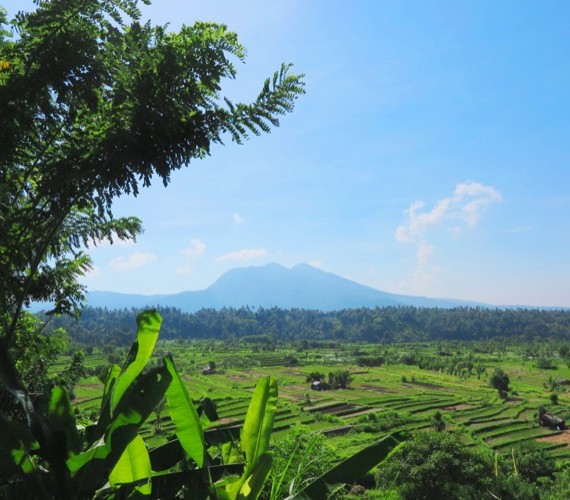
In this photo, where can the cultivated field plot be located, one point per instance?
(397, 395)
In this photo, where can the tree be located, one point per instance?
(437, 422)
(532, 462)
(340, 379)
(434, 465)
(500, 381)
(311, 377)
(95, 105)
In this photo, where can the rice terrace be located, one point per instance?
(395, 388)
(354, 393)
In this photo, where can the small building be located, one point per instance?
(318, 385)
(563, 381)
(208, 370)
(547, 419)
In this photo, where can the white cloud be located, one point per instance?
(455, 213)
(195, 250)
(316, 263)
(135, 261)
(238, 219)
(243, 255)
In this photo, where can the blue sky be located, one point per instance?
(429, 155)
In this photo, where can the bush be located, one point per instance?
(340, 379)
(299, 457)
(436, 465)
(545, 363)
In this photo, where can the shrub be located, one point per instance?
(452, 470)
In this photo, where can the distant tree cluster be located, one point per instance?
(340, 379)
(388, 324)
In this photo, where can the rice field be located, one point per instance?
(394, 396)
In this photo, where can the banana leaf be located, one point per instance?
(165, 456)
(133, 466)
(259, 420)
(16, 443)
(148, 323)
(196, 483)
(61, 419)
(92, 467)
(255, 437)
(351, 469)
(184, 416)
(253, 484)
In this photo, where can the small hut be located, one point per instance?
(547, 419)
(318, 385)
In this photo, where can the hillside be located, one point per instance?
(272, 285)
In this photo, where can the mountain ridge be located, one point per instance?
(273, 285)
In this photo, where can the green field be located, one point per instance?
(381, 399)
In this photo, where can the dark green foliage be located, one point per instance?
(545, 363)
(532, 462)
(390, 324)
(500, 381)
(382, 421)
(561, 486)
(340, 379)
(408, 359)
(297, 459)
(351, 469)
(554, 398)
(437, 422)
(313, 376)
(435, 465)
(370, 361)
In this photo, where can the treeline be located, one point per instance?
(386, 324)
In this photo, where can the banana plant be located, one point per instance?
(110, 459)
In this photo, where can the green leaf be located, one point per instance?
(255, 436)
(61, 418)
(259, 420)
(196, 482)
(231, 453)
(91, 468)
(133, 465)
(207, 407)
(351, 469)
(16, 441)
(109, 379)
(220, 435)
(148, 323)
(12, 381)
(252, 486)
(169, 454)
(166, 456)
(184, 416)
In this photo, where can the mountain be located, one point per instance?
(303, 287)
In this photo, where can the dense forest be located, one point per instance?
(389, 324)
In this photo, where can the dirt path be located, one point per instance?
(563, 437)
